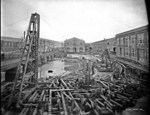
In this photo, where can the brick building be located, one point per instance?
(111, 44)
(9, 44)
(88, 48)
(134, 44)
(11, 47)
(99, 46)
(74, 45)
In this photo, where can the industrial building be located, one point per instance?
(134, 45)
(11, 47)
(74, 45)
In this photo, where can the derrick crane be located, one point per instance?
(28, 60)
(106, 55)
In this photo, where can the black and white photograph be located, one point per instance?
(74, 57)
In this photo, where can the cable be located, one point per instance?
(15, 23)
(52, 27)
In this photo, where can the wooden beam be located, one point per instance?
(64, 105)
(50, 102)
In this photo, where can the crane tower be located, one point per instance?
(28, 62)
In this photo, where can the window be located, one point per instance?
(81, 49)
(11, 43)
(133, 52)
(126, 51)
(141, 54)
(126, 40)
(133, 39)
(118, 43)
(121, 41)
(140, 38)
(5, 43)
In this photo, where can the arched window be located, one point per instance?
(68, 49)
(81, 49)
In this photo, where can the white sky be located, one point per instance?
(90, 20)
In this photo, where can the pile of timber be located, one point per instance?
(62, 96)
(68, 95)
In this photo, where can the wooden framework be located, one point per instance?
(30, 51)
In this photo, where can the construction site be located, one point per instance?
(90, 86)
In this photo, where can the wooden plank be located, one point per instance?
(102, 83)
(99, 102)
(64, 105)
(29, 104)
(116, 103)
(31, 90)
(67, 96)
(21, 113)
(63, 90)
(35, 111)
(50, 102)
(31, 98)
(40, 99)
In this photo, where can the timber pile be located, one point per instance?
(69, 95)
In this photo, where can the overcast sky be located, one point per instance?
(90, 20)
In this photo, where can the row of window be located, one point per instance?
(9, 44)
(140, 54)
(74, 44)
(75, 49)
(133, 39)
(9, 49)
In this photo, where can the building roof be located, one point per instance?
(110, 38)
(49, 40)
(99, 41)
(74, 38)
(10, 38)
(19, 39)
(133, 30)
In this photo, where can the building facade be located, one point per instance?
(74, 45)
(9, 44)
(11, 47)
(99, 46)
(111, 44)
(134, 44)
(88, 48)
